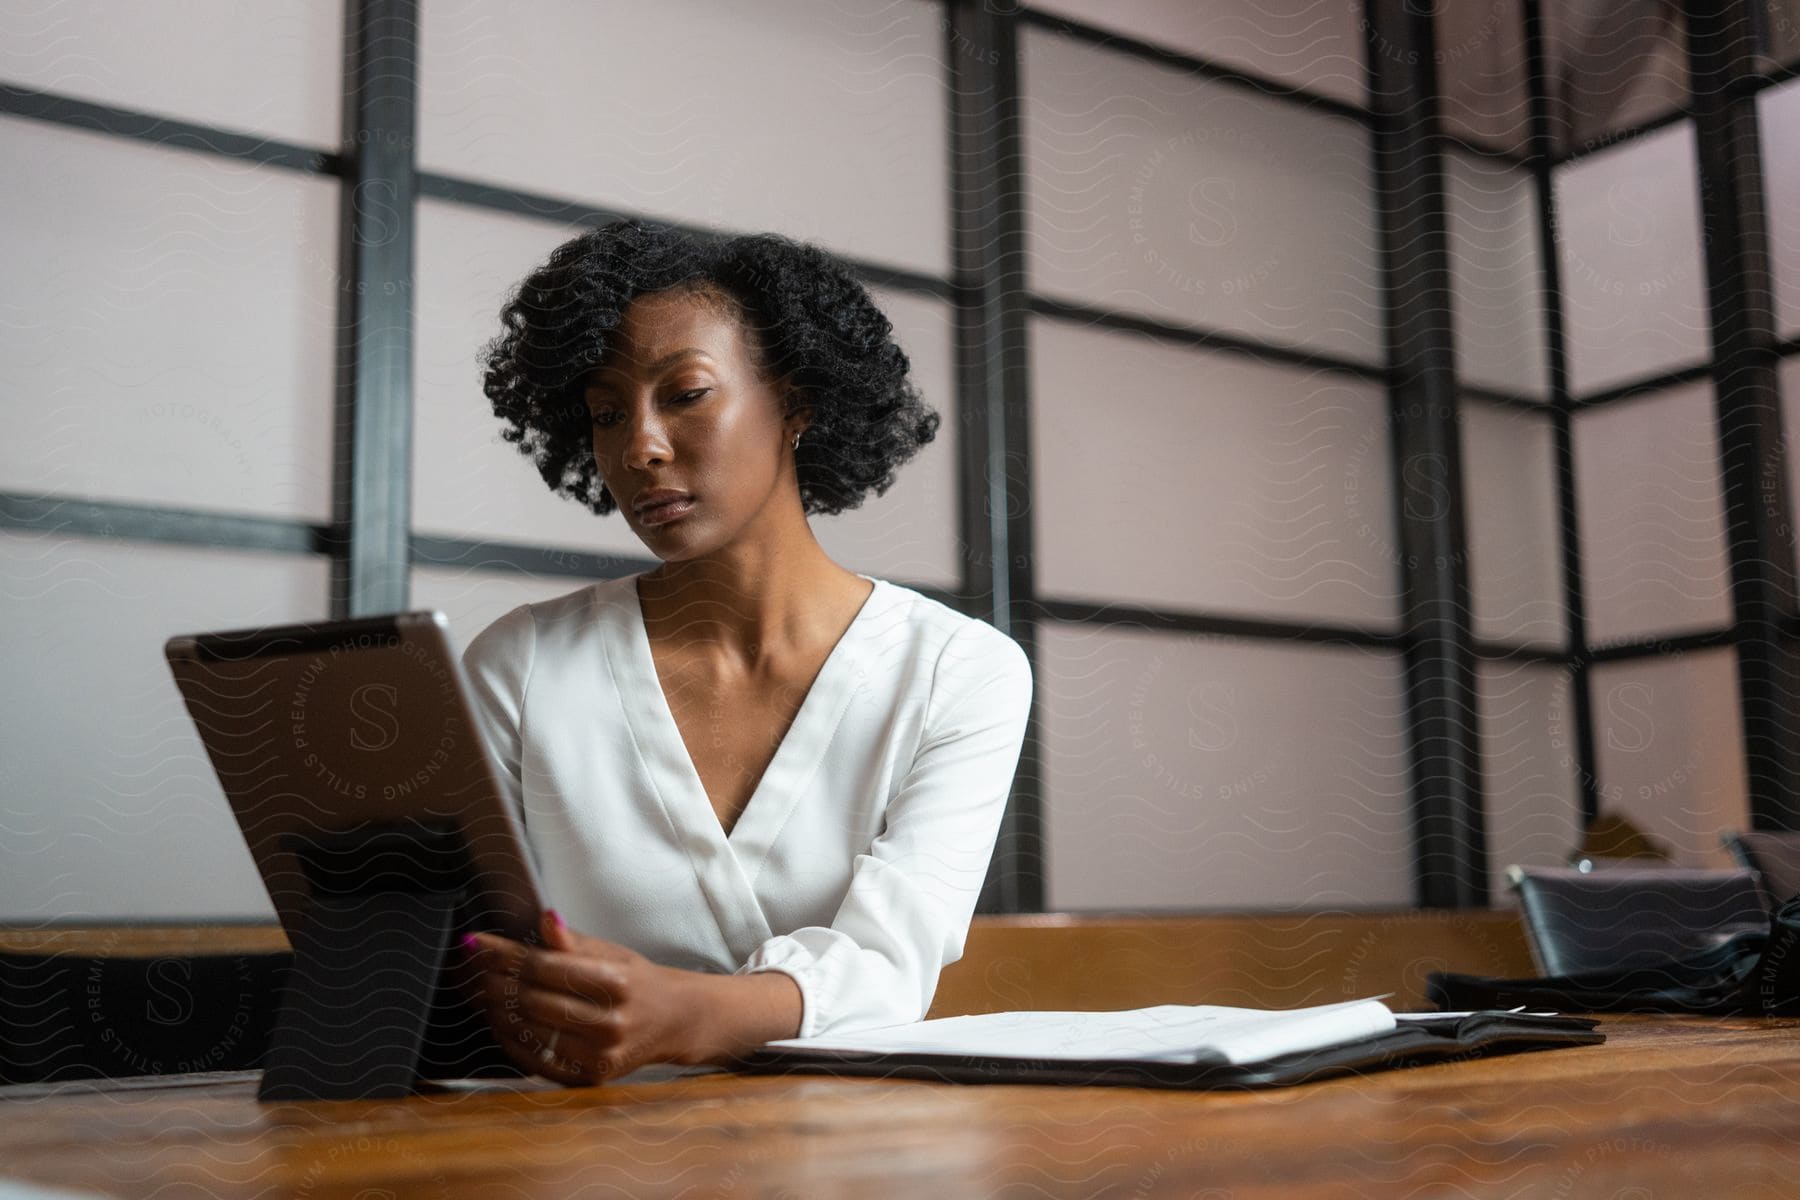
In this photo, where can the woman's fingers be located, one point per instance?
(550, 1051)
(581, 1017)
(579, 974)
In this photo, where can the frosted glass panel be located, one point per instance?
(911, 534)
(1497, 288)
(1652, 516)
(113, 810)
(1481, 73)
(1778, 110)
(1314, 44)
(1528, 768)
(1203, 480)
(1669, 750)
(1515, 542)
(1155, 192)
(470, 483)
(467, 482)
(1187, 772)
(472, 600)
(823, 119)
(1634, 282)
(274, 67)
(169, 325)
(1613, 67)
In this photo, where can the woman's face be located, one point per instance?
(677, 403)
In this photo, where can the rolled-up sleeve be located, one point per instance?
(497, 666)
(912, 894)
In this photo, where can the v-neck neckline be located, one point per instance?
(798, 754)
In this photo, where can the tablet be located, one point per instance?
(351, 757)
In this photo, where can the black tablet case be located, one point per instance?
(1414, 1041)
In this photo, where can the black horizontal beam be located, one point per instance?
(165, 131)
(1502, 399)
(1646, 386)
(1202, 68)
(149, 523)
(517, 558)
(1202, 339)
(542, 206)
(1654, 647)
(1212, 624)
(1502, 652)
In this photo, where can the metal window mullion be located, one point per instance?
(372, 459)
(1448, 826)
(988, 229)
(1758, 509)
(1543, 159)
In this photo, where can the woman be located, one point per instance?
(762, 790)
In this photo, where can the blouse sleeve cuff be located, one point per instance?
(784, 954)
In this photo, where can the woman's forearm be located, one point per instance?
(737, 1013)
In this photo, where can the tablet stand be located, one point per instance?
(369, 957)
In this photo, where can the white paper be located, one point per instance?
(1163, 1033)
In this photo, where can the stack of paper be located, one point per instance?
(1165, 1033)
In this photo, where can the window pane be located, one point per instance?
(1652, 515)
(274, 67)
(467, 482)
(114, 811)
(1515, 539)
(1528, 768)
(1612, 67)
(1299, 42)
(472, 599)
(1781, 28)
(171, 328)
(1493, 242)
(912, 534)
(1203, 480)
(1186, 772)
(1634, 284)
(823, 120)
(1669, 749)
(1154, 192)
(1778, 112)
(1481, 73)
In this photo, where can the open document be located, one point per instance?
(1170, 1045)
(1164, 1033)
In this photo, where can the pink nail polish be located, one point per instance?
(469, 944)
(556, 917)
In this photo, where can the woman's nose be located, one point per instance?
(646, 441)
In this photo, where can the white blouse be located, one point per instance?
(856, 864)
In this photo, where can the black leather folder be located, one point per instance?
(1415, 1041)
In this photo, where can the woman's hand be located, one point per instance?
(581, 1010)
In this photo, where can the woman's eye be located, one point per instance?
(605, 419)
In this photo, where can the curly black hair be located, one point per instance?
(805, 319)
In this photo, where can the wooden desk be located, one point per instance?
(1670, 1107)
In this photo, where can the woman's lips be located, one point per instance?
(670, 510)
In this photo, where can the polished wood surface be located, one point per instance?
(1063, 961)
(143, 941)
(1670, 1107)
